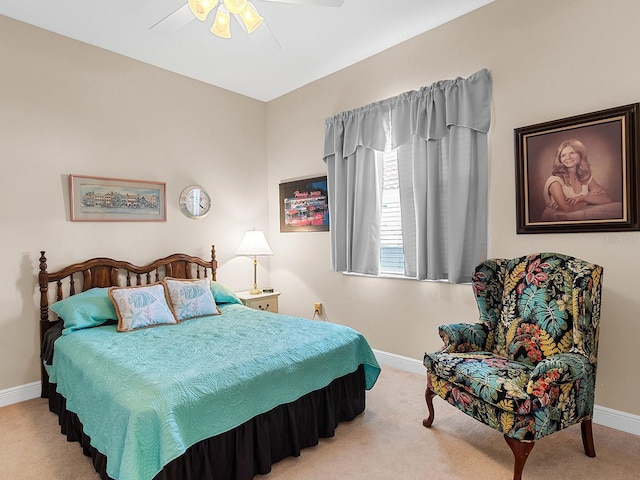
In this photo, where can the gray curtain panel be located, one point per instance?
(440, 135)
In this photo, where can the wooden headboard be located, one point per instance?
(107, 272)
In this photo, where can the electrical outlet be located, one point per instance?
(317, 309)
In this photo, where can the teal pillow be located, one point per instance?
(90, 308)
(223, 294)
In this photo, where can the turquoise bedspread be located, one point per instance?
(146, 396)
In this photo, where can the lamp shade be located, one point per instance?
(235, 6)
(254, 244)
(201, 8)
(250, 17)
(221, 23)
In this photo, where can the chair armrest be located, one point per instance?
(463, 337)
(559, 369)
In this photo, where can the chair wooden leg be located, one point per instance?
(521, 452)
(428, 396)
(587, 438)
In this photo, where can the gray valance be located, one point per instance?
(428, 112)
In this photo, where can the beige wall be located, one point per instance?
(549, 60)
(67, 107)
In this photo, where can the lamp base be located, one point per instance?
(255, 290)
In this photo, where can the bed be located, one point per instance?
(215, 390)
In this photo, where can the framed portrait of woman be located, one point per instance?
(579, 174)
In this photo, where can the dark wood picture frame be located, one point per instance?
(608, 140)
(304, 205)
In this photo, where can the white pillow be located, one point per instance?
(142, 306)
(190, 298)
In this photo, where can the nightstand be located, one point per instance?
(260, 301)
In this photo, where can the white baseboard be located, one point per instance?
(611, 418)
(608, 417)
(401, 363)
(19, 394)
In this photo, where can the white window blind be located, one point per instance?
(391, 252)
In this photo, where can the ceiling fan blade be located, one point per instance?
(174, 21)
(264, 40)
(321, 3)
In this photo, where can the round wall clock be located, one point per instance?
(195, 202)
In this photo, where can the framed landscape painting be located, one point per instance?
(578, 174)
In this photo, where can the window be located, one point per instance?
(432, 184)
(391, 251)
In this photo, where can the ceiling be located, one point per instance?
(315, 41)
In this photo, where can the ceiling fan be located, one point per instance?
(244, 11)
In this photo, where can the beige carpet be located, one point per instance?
(387, 442)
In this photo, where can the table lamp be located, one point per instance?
(254, 244)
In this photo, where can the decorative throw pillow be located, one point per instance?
(190, 298)
(90, 308)
(142, 306)
(223, 294)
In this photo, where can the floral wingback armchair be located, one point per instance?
(528, 367)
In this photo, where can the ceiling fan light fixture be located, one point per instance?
(220, 25)
(250, 18)
(202, 8)
(235, 6)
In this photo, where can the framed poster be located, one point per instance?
(105, 199)
(578, 174)
(304, 205)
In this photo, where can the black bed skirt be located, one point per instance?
(251, 448)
